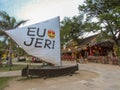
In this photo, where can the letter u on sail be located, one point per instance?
(41, 40)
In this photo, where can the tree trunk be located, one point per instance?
(18, 56)
(10, 55)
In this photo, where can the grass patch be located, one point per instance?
(4, 82)
(4, 68)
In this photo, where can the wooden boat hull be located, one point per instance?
(49, 71)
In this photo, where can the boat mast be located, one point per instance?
(60, 42)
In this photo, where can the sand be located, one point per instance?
(53, 83)
(91, 76)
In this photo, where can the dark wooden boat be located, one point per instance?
(49, 71)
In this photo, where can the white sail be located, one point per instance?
(41, 40)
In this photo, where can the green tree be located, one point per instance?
(1, 50)
(6, 23)
(65, 30)
(71, 29)
(107, 14)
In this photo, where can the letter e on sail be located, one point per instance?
(41, 40)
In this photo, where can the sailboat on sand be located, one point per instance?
(42, 40)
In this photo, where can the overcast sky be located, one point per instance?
(40, 10)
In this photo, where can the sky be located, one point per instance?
(39, 10)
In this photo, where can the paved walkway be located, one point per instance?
(15, 73)
(10, 73)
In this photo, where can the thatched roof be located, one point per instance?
(92, 41)
(87, 40)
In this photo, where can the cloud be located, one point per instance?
(43, 9)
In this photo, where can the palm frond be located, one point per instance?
(4, 16)
(20, 23)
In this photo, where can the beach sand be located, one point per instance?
(90, 76)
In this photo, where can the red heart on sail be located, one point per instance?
(51, 34)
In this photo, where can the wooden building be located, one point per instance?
(92, 49)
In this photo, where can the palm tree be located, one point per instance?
(6, 23)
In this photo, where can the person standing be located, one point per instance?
(81, 61)
(114, 58)
(86, 56)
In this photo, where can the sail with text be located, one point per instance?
(41, 40)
